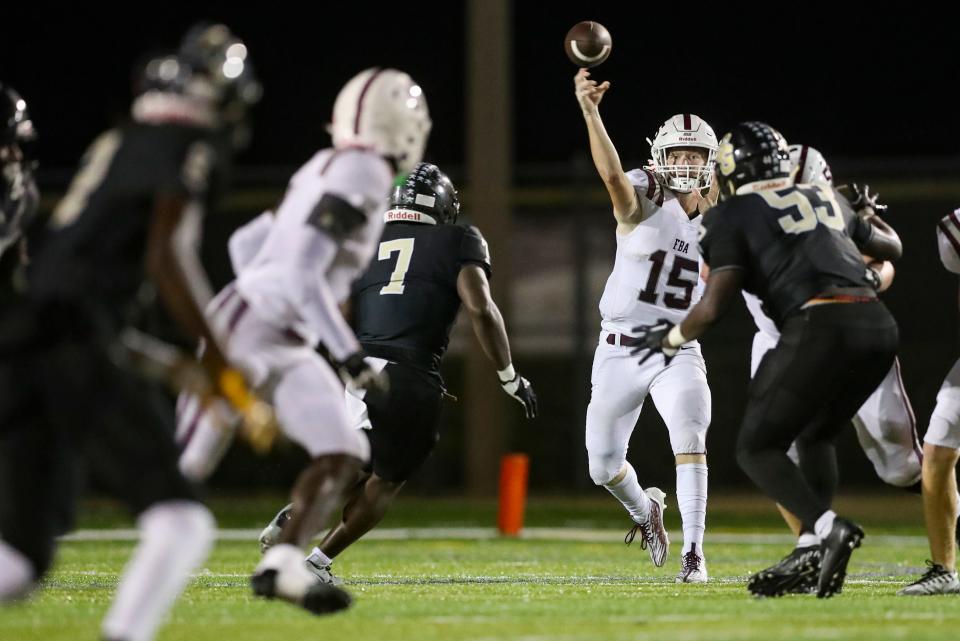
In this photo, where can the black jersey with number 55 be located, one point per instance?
(792, 243)
(405, 304)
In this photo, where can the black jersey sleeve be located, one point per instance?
(473, 249)
(722, 244)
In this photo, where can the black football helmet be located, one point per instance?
(429, 191)
(213, 51)
(753, 151)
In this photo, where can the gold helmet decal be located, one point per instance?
(725, 157)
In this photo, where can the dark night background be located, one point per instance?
(860, 84)
(874, 91)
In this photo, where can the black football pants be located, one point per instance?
(829, 360)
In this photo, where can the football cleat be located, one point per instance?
(693, 567)
(845, 536)
(653, 536)
(319, 598)
(322, 571)
(796, 573)
(936, 580)
(271, 533)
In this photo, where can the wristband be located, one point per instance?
(506, 374)
(675, 338)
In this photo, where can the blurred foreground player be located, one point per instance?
(404, 307)
(285, 301)
(127, 218)
(789, 245)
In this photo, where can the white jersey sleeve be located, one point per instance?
(247, 240)
(304, 269)
(948, 241)
(649, 192)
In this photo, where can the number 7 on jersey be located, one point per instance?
(404, 247)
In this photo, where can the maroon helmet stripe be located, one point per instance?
(651, 184)
(687, 124)
(801, 162)
(363, 94)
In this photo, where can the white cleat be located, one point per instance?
(323, 572)
(653, 536)
(693, 567)
(271, 533)
(936, 580)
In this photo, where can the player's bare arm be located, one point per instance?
(626, 207)
(884, 243)
(474, 291)
(722, 287)
(167, 273)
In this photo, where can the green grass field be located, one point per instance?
(568, 583)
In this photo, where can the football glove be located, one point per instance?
(862, 199)
(356, 372)
(520, 389)
(652, 339)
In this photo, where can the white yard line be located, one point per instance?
(485, 534)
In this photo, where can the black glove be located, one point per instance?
(862, 199)
(519, 388)
(355, 371)
(652, 338)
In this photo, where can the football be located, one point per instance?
(587, 44)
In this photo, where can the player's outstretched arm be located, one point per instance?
(884, 242)
(665, 337)
(488, 325)
(170, 275)
(626, 207)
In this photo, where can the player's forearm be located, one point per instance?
(169, 274)
(605, 156)
(491, 332)
(722, 287)
(884, 243)
(168, 277)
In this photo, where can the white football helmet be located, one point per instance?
(810, 164)
(383, 110)
(684, 130)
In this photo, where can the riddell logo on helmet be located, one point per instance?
(687, 139)
(403, 215)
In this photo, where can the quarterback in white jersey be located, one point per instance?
(941, 450)
(656, 275)
(286, 300)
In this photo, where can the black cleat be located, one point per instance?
(319, 598)
(844, 538)
(796, 573)
(324, 598)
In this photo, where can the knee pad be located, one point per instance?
(604, 468)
